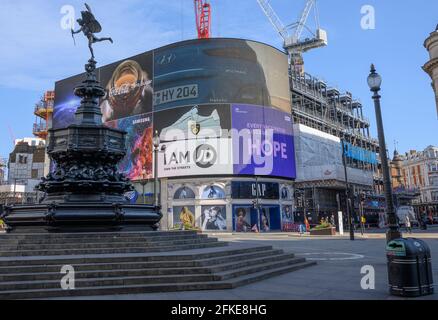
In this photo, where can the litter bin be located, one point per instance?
(409, 268)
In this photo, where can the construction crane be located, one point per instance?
(203, 18)
(291, 34)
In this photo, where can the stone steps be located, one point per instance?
(134, 271)
(71, 241)
(85, 240)
(94, 236)
(129, 242)
(180, 266)
(151, 288)
(131, 263)
(139, 248)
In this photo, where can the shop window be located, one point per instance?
(285, 194)
(184, 217)
(214, 218)
(246, 218)
(213, 192)
(184, 193)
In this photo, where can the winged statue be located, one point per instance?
(90, 26)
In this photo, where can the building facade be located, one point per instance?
(327, 123)
(431, 67)
(25, 169)
(420, 171)
(222, 111)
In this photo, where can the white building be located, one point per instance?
(420, 170)
(25, 169)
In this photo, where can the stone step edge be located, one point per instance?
(28, 247)
(156, 288)
(114, 257)
(205, 262)
(221, 276)
(87, 251)
(207, 269)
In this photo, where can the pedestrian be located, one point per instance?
(408, 225)
(363, 222)
(332, 220)
(424, 222)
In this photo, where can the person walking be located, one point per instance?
(408, 224)
(363, 222)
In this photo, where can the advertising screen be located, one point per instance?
(221, 71)
(137, 165)
(196, 157)
(263, 142)
(129, 87)
(186, 91)
(193, 122)
(66, 103)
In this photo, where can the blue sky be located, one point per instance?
(36, 51)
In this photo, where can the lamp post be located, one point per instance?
(156, 141)
(374, 82)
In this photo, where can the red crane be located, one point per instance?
(203, 18)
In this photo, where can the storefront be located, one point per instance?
(228, 205)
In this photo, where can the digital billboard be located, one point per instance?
(196, 157)
(138, 164)
(129, 87)
(192, 91)
(193, 122)
(221, 71)
(263, 142)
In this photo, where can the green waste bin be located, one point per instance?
(409, 268)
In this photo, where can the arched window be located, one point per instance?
(285, 195)
(184, 193)
(213, 192)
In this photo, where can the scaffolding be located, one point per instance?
(317, 105)
(3, 168)
(43, 111)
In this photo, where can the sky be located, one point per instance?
(35, 52)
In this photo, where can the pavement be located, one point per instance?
(337, 276)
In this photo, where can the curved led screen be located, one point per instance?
(189, 91)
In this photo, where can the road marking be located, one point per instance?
(343, 256)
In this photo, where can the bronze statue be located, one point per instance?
(90, 26)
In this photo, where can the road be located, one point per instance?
(336, 277)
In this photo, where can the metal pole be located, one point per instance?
(156, 191)
(347, 193)
(258, 204)
(393, 232)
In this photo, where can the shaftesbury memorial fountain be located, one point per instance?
(85, 190)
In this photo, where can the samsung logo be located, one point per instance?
(144, 120)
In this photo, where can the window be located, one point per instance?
(213, 192)
(34, 174)
(184, 193)
(22, 159)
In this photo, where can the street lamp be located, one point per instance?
(374, 82)
(156, 141)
